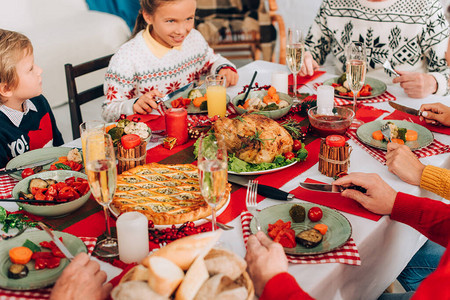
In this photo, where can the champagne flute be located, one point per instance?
(295, 50)
(102, 177)
(212, 168)
(355, 68)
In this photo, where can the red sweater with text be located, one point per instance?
(429, 217)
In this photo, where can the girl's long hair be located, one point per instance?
(149, 6)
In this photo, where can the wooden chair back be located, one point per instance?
(76, 99)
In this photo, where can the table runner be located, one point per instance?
(346, 254)
(386, 96)
(434, 148)
(399, 115)
(42, 293)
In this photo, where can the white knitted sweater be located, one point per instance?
(135, 70)
(412, 35)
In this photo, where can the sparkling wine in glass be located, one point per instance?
(355, 68)
(212, 168)
(102, 177)
(295, 50)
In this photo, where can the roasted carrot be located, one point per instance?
(20, 255)
(241, 107)
(198, 101)
(377, 135)
(271, 91)
(267, 99)
(276, 98)
(398, 141)
(411, 135)
(108, 128)
(322, 228)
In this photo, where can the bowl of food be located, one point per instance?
(69, 188)
(336, 123)
(124, 126)
(270, 103)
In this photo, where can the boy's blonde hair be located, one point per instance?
(13, 47)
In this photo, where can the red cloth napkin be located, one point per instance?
(386, 96)
(334, 200)
(42, 293)
(301, 80)
(347, 254)
(6, 186)
(399, 115)
(434, 148)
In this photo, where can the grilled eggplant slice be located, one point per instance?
(25, 196)
(51, 181)
(17, 271)
(38, 183)
(309, 238)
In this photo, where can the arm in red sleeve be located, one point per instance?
(283, 286)
(429, 217)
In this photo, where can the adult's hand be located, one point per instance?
(231, 76)
(416, 85)
(435, 113)
(81, 279)
(379, 197)
(147, 102)
(403, 163)
(265, 259)
(309, 65)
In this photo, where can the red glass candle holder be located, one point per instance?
(176, 124)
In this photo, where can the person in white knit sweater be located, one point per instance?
(411, 35)
(164, 54)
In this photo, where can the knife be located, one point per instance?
(170, 95)
(330, 188)
(32, 165)
(58, 243)
(406, 109)
(263, 190)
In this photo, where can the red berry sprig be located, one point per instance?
(172, 233)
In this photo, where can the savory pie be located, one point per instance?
(166, 194)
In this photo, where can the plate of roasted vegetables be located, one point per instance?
(372, 88)
(194, 100)
(304, 228)
(413, 135)
(37, 266)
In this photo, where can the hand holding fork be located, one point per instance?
(250, 201)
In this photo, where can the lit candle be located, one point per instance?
(176, 124)
(280, 81)
(132, 235)
(325, 100)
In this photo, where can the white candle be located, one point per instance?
(280, 81)
(132, 235)
(325, 100)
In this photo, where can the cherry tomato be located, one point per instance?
(289, 155)
(315, 214)
(27, 172)
(130, 141)
(123, 116)
(297, 145)
(136, 119)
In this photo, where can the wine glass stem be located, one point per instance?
(294, 88)
(213, 225)
(354, 101)
(108, 228)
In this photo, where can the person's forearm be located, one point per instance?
(436, 180)
(283, 286)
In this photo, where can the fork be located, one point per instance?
(387, 66)
(386, 131)
(250, 201)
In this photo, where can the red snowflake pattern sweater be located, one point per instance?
(134, 70)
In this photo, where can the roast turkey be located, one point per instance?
(254, 138)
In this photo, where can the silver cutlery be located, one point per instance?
(220, 225)
(387, 66)
(57, 242)
(386, 131)
(30, 165)
(251, 203)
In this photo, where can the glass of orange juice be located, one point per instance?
(216, 94)
(87, 128)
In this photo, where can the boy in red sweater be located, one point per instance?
(26, 119)
(267, 263)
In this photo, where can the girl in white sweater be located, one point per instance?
(164, 54)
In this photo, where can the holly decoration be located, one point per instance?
(308, 102)
(170, 234)
(14, 220)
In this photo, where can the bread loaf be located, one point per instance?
(194, 279)
(164, 276)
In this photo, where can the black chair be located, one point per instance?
(77, 99)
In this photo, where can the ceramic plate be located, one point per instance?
(263, 171)
(115, 212)
(379, 87)
(339, 228)
(364, 134)
(191, 109)
(36, 279)
(34, 156)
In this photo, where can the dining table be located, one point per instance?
(383, 246)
